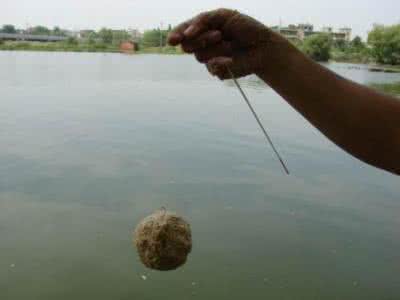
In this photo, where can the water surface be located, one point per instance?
(92, 143)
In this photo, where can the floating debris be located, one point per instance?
(163, 241)
(144, 277)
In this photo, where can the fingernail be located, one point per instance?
(190, 30)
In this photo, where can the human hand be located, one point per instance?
(224, 40)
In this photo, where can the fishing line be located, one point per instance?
(258, 121)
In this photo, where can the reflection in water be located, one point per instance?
(92, 143)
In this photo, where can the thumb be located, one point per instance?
(228, 67)
(220, 66)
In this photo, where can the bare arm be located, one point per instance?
(360, 120)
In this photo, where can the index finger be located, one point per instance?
(215, 19)
(191, 29)
(176, 36)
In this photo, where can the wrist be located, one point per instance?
(276, 55)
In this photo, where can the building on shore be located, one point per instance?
(135, 34)
(72, 33)
(85, 34)
(299, 32)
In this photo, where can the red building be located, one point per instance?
(128, 47)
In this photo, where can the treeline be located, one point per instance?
(105, 35)
(103, 40)
(155, 37)
(91, 40)
(37, 30)
(382, 46)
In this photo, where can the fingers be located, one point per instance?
(222, 49)
(176, 36)
(225, 67)
(204, 22)
(205, 40)
(219, 66)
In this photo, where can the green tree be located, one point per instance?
(154, 37)
(93, 35)
(357, 43)
(40, 30)
(106, 35)
(91, 40)
(85, 34)
(71, 41)
(57, 31)
(385, 44)
(8, 29)
(119, 36)
(318, 46)
(342, 45)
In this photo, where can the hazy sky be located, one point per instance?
(142, 14)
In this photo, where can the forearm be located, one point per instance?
(358, 119)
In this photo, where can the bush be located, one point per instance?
(153, 38)
(100, 46)
(318, 47)
(385, 44)
(357, 43)
(350, 56)
(21, 45)
(354, 51)
(71, 41)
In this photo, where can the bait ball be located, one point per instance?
(163, 241)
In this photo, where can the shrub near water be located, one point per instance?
(385, 44)
(318, 47)
(355, 51)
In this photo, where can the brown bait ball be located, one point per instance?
(163, 241)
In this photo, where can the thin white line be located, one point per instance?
(259, 122)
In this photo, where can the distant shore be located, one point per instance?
(64, 47)
(91, 48)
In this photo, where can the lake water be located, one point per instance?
(92, 143)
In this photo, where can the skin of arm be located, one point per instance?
(361, 121)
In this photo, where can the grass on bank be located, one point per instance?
(57, 46)
(80, 47)
(337, 55)
(158, 50)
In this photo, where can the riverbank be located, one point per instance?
(57, 47)
(164, 50)
(384, 68)
(103, 48)
(80, 47)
